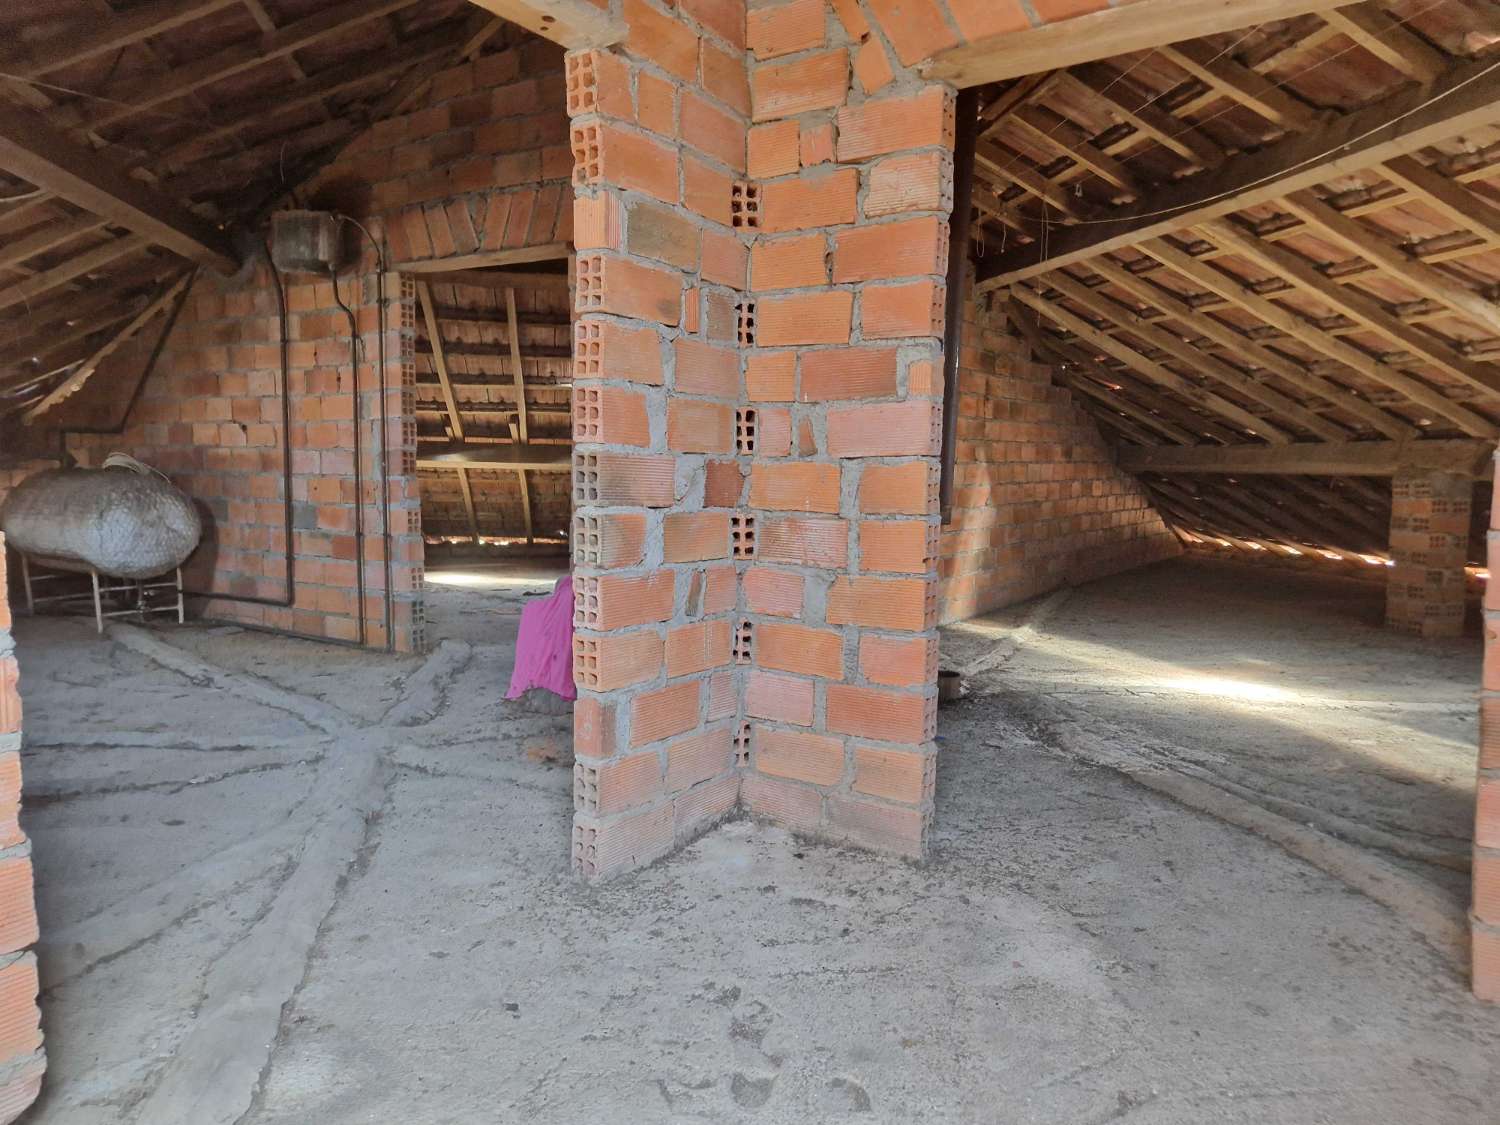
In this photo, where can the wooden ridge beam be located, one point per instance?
(1466, 98)
(1150, 369)
(1465, 457)
(1097, 35)
(31, 149)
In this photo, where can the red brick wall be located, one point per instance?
(1038, 502)
(21, 1060)
(480, 164)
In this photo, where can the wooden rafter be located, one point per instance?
(34, 151)
(90, 260)
(1465, 457)
(439, 359)
(1466, 97)
(1389, 40)
(102, 36)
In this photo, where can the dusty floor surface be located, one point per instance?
(269, 898)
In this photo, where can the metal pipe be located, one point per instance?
(359, 480)
(965, 137)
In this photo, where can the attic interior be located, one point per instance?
(690, 506)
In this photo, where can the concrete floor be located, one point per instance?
(287, 883)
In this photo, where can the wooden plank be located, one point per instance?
(509, 456)
(572, 23)
(1416, 275)
(1466, 98)
(439, 361)
(49, 237)
(1126, 102)
(468, 492)
(99, 36)
(1321, 459)
(1112, 31)
(1150, 369)
(1241, 84)
(75, 381)
(526, 505)
(1293, 325)
(514, 326)
(31, 149)
(1019, 171)
(67, 270)
(1216, 369)
(1366, 310)
(1388, 39)
(1447, 196)
(486, 259)
(1257, 355)
(1023, 91)
(1049, 128)
(496, 279)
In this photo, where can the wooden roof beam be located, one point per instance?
(106, 34)
(572, 23)
(1465, 457)
(1388, 39)
(31, 149)
(1465, 98)
(1112, 31)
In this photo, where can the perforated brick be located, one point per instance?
(744, 430)
(744, 642)
(588, 155)
(742, 534)
(744, 309)
(744, 205)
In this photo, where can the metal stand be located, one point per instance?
(142, 590)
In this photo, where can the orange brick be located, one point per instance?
(889, 312)
(786, 28)
(1485, 953)
(897, 775)
(17, 905)
(817, 144)
(1487, 813)
(725, 77)
(848, 373)
(977, 19)
(886, 251)
(705, 189)
(610, 416)
(881, 714)
(725, 259)
(797, 487)
(625, 783)
(593, 728)
(606, 154)
(723, 482)
(725, 18)
(773, 436)
(799, 755)
(699, 757)
(10, 799)
(784, 647)
(782, 699)
(920, 181)
(703, 369)
(597, 222)
(1486, 886)
(666, 41)
(616, 660)
(803, 542)
(819, 81)
(1489, 732)
(852, 18)
(20, 1030)
(628, 288)
(712, 131)
(887, 429)
(898, 661)
(654, 231)
(10, 695)
(809, 201)
(916, 28)
(694, 536)
(635, 481)
(623, 843)
(872, 68)
(789, 263)
(774, 592)
(908, 489)
(886, 828)
(794, 806)
(695, 426)
(896, 124)
(617, 601)
(656, 104)
(880, 603)
(666, 712)
(804, 318)
(616, 539)
(720, 591)
(697, 648)
(904, 546)
(773, 149)
(605, 350)
(771, 376)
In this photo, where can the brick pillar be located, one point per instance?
(21, 1059)
(1486, 910)
(1430, 543)
(851, 180)
(658, 135)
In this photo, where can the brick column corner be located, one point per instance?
(1485, 913)
(21, 1058)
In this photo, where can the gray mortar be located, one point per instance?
(384, 927)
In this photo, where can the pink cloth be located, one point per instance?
(544, 646)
